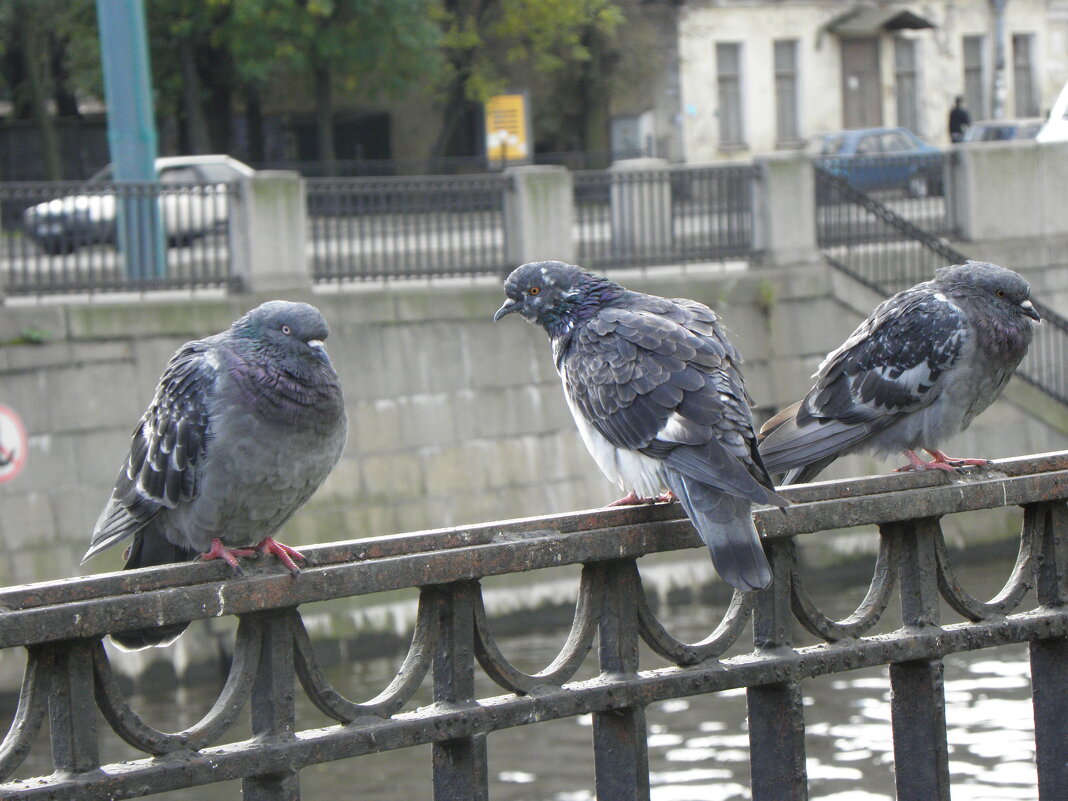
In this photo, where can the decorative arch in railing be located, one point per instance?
(67, 680)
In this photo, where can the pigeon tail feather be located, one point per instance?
(148, 550)
(725, 524)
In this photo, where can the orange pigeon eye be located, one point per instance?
(534, 290)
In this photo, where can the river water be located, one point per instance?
(698, 747)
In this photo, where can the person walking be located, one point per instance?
(959, 120)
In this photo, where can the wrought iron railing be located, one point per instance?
(68, 675)
(888, 253)
(672, 215)
(65, 237)
(363, 228)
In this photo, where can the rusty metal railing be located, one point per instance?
(68, 676)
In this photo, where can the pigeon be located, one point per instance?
(244, 426)
(918, 370)
(656, 391)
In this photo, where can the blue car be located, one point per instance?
(877, 159)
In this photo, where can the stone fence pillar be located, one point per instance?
(539, 214)
(784, 210)
(1008, 200)
(641, 206)
(269, 231)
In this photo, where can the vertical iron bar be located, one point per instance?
(273, 713)
(620, 748)
(1049, 658)
(460, 769)
(776, 712)
(72, 708)
(917, 692)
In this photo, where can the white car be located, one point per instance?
(1056, 127)
(64, 224)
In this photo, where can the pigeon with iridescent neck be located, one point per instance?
(656, 390)
(916, 372)
(244, 426)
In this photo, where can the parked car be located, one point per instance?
(1000, 130)
(873, 159)
(1055, 128)
(64, 224)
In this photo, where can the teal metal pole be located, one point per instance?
(132, 134)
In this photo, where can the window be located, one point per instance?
(729, 94)
(974, 96)
(1023, 75)
(905, 83)
(787, 125)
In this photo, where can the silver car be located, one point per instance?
(64, 224)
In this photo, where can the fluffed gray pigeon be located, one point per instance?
(655, 389)
(244, 427)
(917, 371)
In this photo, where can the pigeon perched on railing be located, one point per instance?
(244, 427)
(916, 372)
(657, 394)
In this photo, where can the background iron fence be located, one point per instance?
(66, 237)
(406, 227)
(68, 675)
(634, 217)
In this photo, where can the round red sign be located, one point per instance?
(13, 444)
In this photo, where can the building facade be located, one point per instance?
(759, 76)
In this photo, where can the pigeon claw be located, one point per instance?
(633, 499)
(284, 553)
(939, 461)
(956, 461)
(228, 555)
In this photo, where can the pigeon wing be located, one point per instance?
(659, 377)
(169, 443)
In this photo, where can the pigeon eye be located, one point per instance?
(1000, 293)
(534, 290)
(287, 330)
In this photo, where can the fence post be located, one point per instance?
(620, 746)
(460, 770)
(641, 209)
(539, 214)
(272, 709)
(776, 711)
(72, 709)
(917, 691)
(269, 233)
(1049, 657)
(784, 210)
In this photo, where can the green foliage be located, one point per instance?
(31, 336)
(370, 47)
(483, 38)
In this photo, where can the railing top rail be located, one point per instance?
(94, 605)
(423, 181)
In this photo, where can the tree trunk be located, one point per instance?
(195, 123)
(257, 146)
(324, 117)
(35, 64)
(595, 124)
(66, 101)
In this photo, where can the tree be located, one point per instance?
(485, 42)
(372, 47)
(36, 42)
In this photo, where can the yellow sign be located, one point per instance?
(507, 129)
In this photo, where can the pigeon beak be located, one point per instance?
(319, 348)
(1031, 311)
(509, 306)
